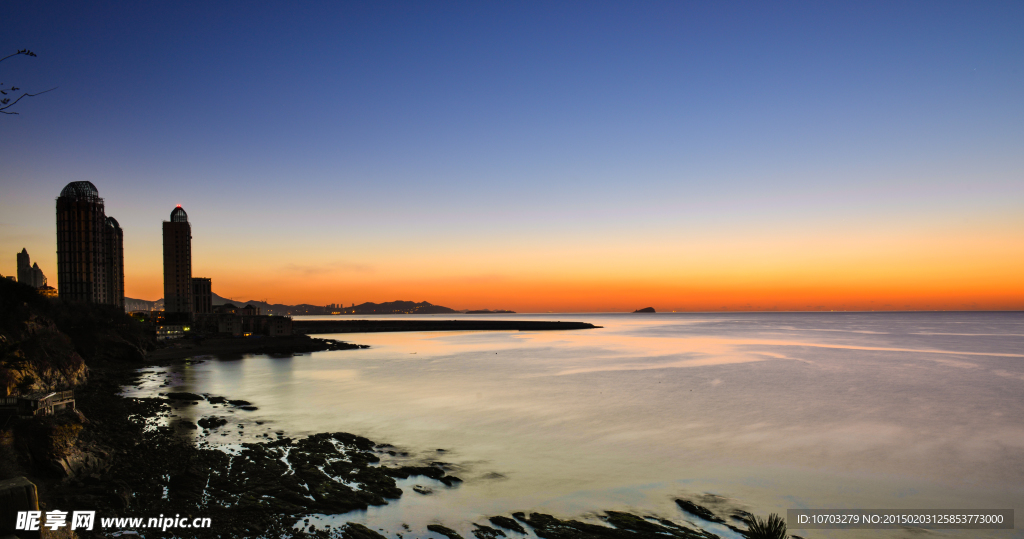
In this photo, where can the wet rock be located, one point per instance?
(422, 489)
(358, 531)
(212, 422)
(184, 396)
(628, 526)
(487, 532)
(239, 403)
(406, 471)
(450, 480)
(187, 424)
(628, 521)
(508, 524)
(700, 511)
(448, 532)
(216, 400)
(249, 408)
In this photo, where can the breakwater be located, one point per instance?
(373, 326)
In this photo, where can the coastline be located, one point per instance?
(127, 464)
(375, 326)
(294, 344)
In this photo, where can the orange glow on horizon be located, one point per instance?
(811, 269)
(524, 295)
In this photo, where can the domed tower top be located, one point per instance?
(80, 191)
(179, 215)
(112, 223)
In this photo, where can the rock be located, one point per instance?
(448, 532)
(487, 532)
(508, 524)
(450, 480)
(212, 422)
(184, 396)
(629, 521)
(358, 531)
(406, 471)
(422, 489)
(645, 310)
(699, 511)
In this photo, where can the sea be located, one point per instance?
(760, 412)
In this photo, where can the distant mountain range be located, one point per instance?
(388, 307)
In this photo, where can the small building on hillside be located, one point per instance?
(246, 321)
(167, 332)
(40, 403)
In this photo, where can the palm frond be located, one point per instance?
(773, 528)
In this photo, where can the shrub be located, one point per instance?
(773, 528)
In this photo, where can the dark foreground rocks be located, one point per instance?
(618, 525)
(699, 511)
(238, 346)
(123, 465)
(132, 468)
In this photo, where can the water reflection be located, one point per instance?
(771, 410)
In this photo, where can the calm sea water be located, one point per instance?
(758, 411)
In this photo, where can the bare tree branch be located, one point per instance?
(26, 94)
(26, 52)
(5, 103)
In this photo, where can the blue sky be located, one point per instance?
(384, 130)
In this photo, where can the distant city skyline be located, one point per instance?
(535, 156)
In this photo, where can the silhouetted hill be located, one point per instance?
(397, 307)
(389, 307)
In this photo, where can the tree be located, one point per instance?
(9, 91)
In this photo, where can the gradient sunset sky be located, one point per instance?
(548, 156)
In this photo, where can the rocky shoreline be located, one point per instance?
(126, 465)
(237, 347)
(120, 456)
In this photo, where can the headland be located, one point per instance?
(374, 326)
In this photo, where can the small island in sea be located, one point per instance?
(645, 310)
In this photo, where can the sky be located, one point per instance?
(534, 156)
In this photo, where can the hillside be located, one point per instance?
(278, 309)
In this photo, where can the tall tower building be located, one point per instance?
(24, 268)
(114, 252)
(85, 270)
(178, 265)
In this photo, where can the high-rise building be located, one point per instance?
(29, 273)
(86, 271)
(114, 253)
(24, 268)
(178, 265)
(38, 279)
(202, 295)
